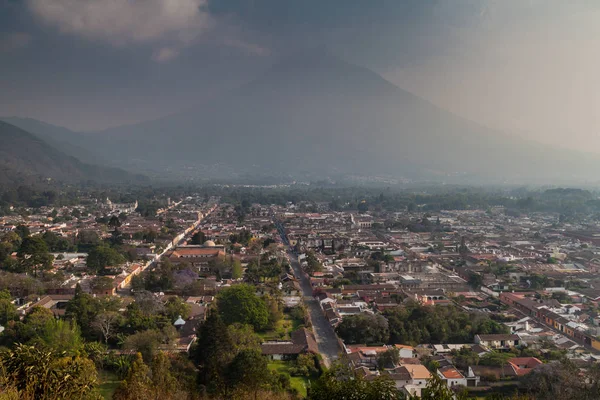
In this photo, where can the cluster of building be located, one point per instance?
(533, 273)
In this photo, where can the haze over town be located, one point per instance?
(523, 67)
(286, 200)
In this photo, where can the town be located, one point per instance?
(484, 302)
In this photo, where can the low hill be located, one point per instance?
(25, 158)
(76, 144)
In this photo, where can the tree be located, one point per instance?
(240, 303)
(242, 337)
(106, 323)
(33, 255)
(463, 249)
(364, 328)
(475, 280)
(137, 385)
(87, 240)
(148, 303)
(101, 284)
(465, 357)
(248, 371)
(495, 359)
(212, 352)
(55, 242)
(145, 343)
(313, 264)
(114, 222)
(413, 323)
(388, 359)
(274, 307)
(8, 311)
(61, 336)
(83, 308)
(363, 207)
(560, 380)
(164, 384)
(22, 231)
(198, 238)
(150, 236)
(341, 383)
(236, 269)
(305, 365)
(175, 307)
(42, 374)
(438, 390)
(103, 256)
(160, 278)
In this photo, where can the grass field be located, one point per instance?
(296, 382)
(282, 330)
(108, 384)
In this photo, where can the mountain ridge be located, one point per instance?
(321, 115)
(26, 158)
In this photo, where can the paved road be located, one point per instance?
(324, 333)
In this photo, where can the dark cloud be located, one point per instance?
(91, 64)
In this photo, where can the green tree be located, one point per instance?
(33, 255)
(465, 357)
(55, 242)
(138, 384)
(274, 307)
(84, 308)
(164, 383)
(248, 371)
(103, 256)
(312, 264)
(212, 352)
(8, 311)
(388, 359)
(22, 231)
(341, 383)
(496, 359)
(147, 342)
(475, 280)
(364, 328)
(61, 336)
(236, 269)
(175, 307)
(101, 284)
(438, 390)
(240, 303)
(114, 222)
(43, 374)
(305, 366)
(198, 238)
(413, 323)
(242, 337)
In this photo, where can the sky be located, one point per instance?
(527, 67)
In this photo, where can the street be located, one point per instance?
(324, 333)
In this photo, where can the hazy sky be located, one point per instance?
(525, 66)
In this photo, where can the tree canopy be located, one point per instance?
(240, 304)
(414, 323)
(364, 328)
(103, 256)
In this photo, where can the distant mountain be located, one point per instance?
(25, 158)
(76, 144)
(316, 114)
